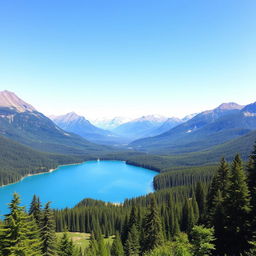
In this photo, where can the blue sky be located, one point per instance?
(130, 57)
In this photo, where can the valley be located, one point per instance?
(123, 172)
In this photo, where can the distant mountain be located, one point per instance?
(140, 127)
(22, 123)
(166, 126)
(209, 128)
(110, 124)
(74, 123)
(10, 100)
(188, 117)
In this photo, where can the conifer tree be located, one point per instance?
(48, 232)
(125, 230)
(188, 220)
(117, 247)
(93, 246)
(219, 183)
(132, 245)
(218, 223)
(153, 233)
(176, 227)
(200, 198)
(19, 234)
(251, 170)
(195, 209)
(35, 210)
(66, 246)
(202, 240)
(237, 204)
(97, 244)
(133, 220)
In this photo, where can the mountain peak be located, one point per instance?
(69, 117)
(250, 108)
(151, 118)
(11, 100)
(229, 106)
(72, 115)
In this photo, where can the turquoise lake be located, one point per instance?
(110, 181)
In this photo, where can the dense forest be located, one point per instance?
(17, 161)
(211, 213)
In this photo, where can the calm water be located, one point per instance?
(111, 181)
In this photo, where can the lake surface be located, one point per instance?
(111, 181)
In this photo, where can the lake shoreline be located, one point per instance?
(39, 173)
(54, 169)
(109, 181)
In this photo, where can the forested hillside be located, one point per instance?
(17, 161)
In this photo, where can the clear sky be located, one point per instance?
(128, 57)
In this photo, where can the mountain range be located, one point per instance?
(110, 124)
(230, 127)
(207, 129)
(74, 123)
(21, 122)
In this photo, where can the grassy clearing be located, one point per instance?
(82, 239)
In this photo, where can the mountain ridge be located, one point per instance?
(208, 128)
(22, 123)
(79, 125)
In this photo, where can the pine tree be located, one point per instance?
(133, 220)
(97, 245)
(202, 240)
(218, 223)
(48, 232)
(117, 247)
(195, 209)
(219, 183)
(132, 245)
(35, 210)
(19, 235)
(251, 170)
(200, 198)
(237, 204)
(125, 230)
(66, 246)
(93, 246)
(188, 220)
(153, 234)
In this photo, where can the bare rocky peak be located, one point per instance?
(11, 100)
(230, 106)
(69, 117)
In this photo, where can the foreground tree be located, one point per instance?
(216, 210)
(202, 241)
(237, 209)
(19, 234)
(179, 247)
(48, 232)
(132, 245)
(117, 247)
(219, 184)
(65, 246)
(35, 210)
(153, 234)
(251, 170)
